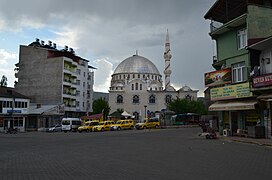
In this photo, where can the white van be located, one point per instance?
(70, 124)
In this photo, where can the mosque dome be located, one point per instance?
(136, 64)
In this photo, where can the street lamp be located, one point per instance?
(145, 110)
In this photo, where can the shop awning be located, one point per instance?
(232, 105)
(265, 97)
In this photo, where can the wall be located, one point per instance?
(259, 22)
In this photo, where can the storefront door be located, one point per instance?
(234, 122)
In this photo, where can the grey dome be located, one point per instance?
(136, 64)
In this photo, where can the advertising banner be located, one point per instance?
(219, 77)
(230, 92)
(261, 81)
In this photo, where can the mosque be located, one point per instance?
(137, 86)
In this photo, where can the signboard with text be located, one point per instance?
(219, 77)
(230, 92)
(261, 81)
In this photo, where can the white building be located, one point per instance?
(14, 109)
(137, 86)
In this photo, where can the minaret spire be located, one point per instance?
(167, 57)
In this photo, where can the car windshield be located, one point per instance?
(94, 123)
(118, 122)
(66, 122)
(101, 123)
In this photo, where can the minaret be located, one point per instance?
(167, 57)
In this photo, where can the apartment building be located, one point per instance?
(236, 26)
(51, 77)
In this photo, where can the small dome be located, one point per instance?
(136, 64)
(185, 88)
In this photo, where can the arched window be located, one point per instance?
(136, 99)
(136, 86)
(119, 99)
(188, 97)
(168, 98)
(132, 87)
(141, 86)
(152, 99)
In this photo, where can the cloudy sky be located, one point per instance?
(108, 31)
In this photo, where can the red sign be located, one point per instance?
(219, 77)
(261, 81)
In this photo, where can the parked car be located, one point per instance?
(55, 128)
(103, 126)
(122, 124)
(148, 123)
(88, 126)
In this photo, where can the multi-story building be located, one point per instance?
(14, 109)
(235, 25)
(52, 77)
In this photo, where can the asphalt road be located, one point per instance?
(132, 154)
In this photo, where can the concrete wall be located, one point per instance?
(39, 78)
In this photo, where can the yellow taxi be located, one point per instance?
(148, 123)
(103, 126)
(122, 124)
(87, 127)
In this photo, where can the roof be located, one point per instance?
(9, 92)
(34, 109)
(94, 116)
(233, 105)
(136, 64)
(263, 44)
(226, 10)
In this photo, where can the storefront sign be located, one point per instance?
(230, 92)
(215, 78)
(261, 81)
(14, 111)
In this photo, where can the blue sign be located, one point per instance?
(14, 111)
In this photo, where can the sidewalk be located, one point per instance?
(258, 141)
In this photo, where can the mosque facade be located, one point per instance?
(137, 86)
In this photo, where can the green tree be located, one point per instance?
(101, 106)
(4, 81)
(181, 106)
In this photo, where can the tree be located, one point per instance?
(4, 81)
(182, 106)
(101, 106)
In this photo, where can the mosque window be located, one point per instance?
(152, 77)
(135, 99)
(132, 87)
(188, 97)
(119, 76)
(138, 75)
(141, 86)
(168, 98)
(155, 77)
(152, 99)
(119, 99)
(133, 76)
(128, 76)
(124, 76)
(143, 76)
(136, 86)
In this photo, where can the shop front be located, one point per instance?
(235, 116)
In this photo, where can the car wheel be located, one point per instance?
(102, 129)
(144, 127)
(65, 131)
(156, 126)
(79, 131)
(118, 128)
(131, 127)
